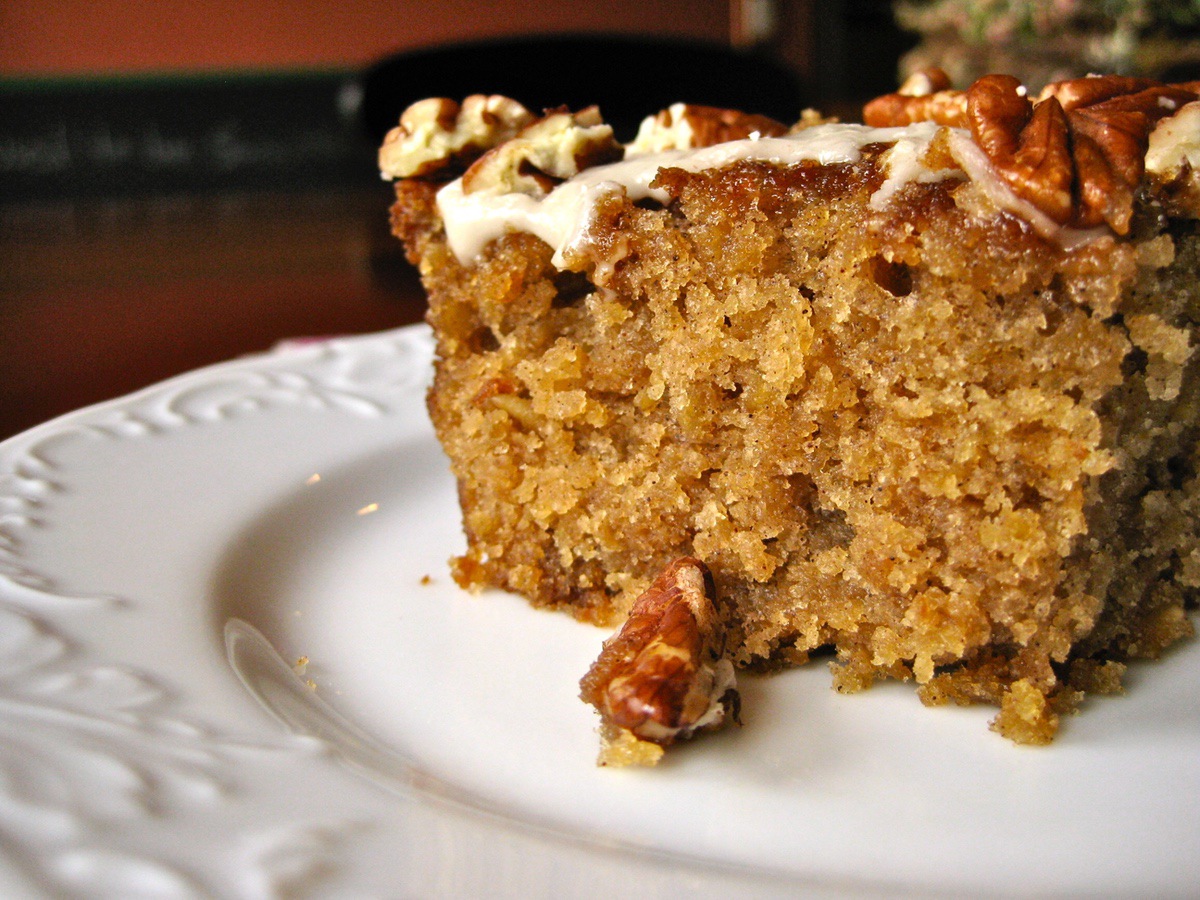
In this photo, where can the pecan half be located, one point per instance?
(686, 126)
(1111, 118)
(440, 136)
(663, 676)
(1029, 148)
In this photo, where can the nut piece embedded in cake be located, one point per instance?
(438, 134)
(664, 677)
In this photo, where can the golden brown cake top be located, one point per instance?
(1068, 162)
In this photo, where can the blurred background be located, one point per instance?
(187, 181)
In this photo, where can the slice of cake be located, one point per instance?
(921, 392)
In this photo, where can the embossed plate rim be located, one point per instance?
(140, 776)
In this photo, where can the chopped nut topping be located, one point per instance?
(922, 84)
(810, 118)
(663, 676)
(924, 97)
(684, 126)
(1175, 144)
(544, 153)
(440, 136)
(1077, 153)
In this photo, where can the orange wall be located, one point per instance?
(111, 37)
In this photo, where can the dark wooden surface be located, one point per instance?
(102, 297)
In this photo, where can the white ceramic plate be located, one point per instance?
(156, 552)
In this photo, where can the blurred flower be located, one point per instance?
(1041, 41)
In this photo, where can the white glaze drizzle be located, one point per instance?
(561, 218)
(975, 164)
